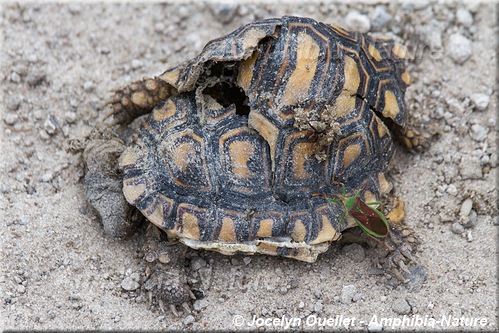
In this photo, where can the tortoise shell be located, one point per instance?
(226, 164)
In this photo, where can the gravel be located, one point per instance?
(347, 294)
(401, 306)
(457, 228)
(379, 18)
(357, 22)
(480, 100)
(464, 17)
(459, 48)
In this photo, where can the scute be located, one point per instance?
(218, 178)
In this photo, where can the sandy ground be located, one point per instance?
(59, 270)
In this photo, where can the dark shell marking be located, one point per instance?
(228, 182)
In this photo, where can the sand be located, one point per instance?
(59, 62)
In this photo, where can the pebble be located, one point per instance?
(50, 125)
(318, 306)
(452, 190)
(459, 48)
(13, 102)
(457, 228)
(15, 77)
(70, 117)
(400, 306)
(21, 289)
(197, 263)
(88, 86)
(35, 78)
(470, 167)
(347, 294)
(355, 252)
(356, 21)
(469, 236)
(223, 12)
(472, 221)
(466, 207)
(480, 100)
(464, 17)
(136, 63)
(379, 18)
(74, 8)
(129, 284)
(246, 260)
(10, 119)
(301, 305)
(478, 132)
(357, 297)
(47, 177)
(410, 5)
(200, 304)
(189, 320)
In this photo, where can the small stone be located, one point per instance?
(459, 48)
(347, 294)
(318, 306)
(197, 263)
(50, 125)
(189, 320)
(223, 12)
(200, 304)
(466, 207)
(357, 297)
(129, 284)
(15, 77)
(301, 305)
(47, 177)
(379, 18)
(13, 102)
(135, 277)
(356, 21)
(10, 119)
(400, 306)
(74, 8)
(464, 17)
(136, 63)
(88, 86)
(36, 78)
(457, 228)
(70, 117)
(470, 167)
(21, 289)
(410, 5)
(481, 101)
(478, 132)
(472, 220)
(44, 135)
(235, 261)
(246, 260)
(355, 252)
(452, 190)
(469, 236)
